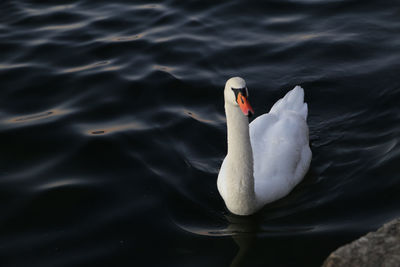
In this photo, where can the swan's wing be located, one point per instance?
(260, 129)
(280, 146)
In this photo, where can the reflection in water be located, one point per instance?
(38, 117)
(112, 128)
(86, 67)
(243, 231)
(70, 26)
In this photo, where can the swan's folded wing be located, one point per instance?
(259, 132)
(278, 143)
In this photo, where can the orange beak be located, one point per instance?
(244, 105)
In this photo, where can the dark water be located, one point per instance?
(112, 128)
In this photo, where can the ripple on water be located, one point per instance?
(113, 128)
(36, 118)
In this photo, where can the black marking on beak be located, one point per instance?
(243, 91)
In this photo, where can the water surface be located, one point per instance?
(112, 128)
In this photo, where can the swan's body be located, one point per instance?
(267, 158)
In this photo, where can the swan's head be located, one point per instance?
(237, 94)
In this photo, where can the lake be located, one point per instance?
(112, 128)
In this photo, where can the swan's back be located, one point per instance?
(281, 152)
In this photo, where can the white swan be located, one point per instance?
(267, 159)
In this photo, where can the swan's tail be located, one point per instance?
(293, 101)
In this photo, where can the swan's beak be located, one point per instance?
(244, 105)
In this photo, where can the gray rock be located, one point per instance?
(380, 248)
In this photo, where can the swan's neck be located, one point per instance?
(240, 195)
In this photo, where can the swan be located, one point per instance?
(267, 158)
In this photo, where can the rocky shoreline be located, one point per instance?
(380, 248)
